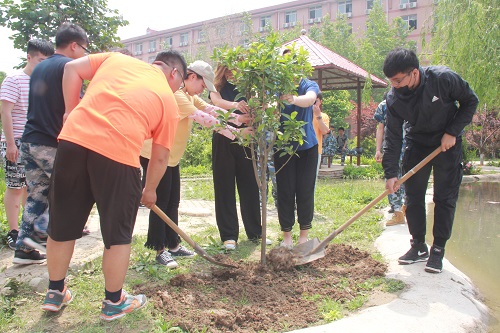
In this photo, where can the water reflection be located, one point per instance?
(474, 247)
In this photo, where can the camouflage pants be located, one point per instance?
(38, 161)
(397, 198)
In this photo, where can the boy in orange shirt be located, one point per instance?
(126, 102)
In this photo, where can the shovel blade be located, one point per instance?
(302, 252)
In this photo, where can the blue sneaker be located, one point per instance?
(128, 303)
(55, 300)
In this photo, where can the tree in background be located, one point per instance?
(262, 75)
(337, 105)
(465, 35)
(483, 133)
(40, 19)
(2, 76)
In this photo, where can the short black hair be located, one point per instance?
(68, 33)
(400, 60)
(320, 96)
(172, 58)
(35, 45)
(341, 128)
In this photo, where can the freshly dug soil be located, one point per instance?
(256, 298)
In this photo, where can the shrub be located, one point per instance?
(369, 169)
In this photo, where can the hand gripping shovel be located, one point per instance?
(191, 242)
(313, 249)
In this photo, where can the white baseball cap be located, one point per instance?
(205, 70)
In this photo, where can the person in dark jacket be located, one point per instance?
(437, 104)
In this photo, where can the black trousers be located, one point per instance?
(447, 171)
(296, 178)
(168, 197)
(232, 166)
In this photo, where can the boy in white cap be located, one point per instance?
(199, 77)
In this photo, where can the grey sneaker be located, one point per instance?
(435, 262)
(127, 303)
(166, 259)
(55, 299)
(417, 253)
(26, 258)
(182, 252)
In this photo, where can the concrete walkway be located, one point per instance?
(446, 303)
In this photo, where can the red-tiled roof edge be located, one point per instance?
(348, 65)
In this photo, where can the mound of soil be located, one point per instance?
(256, 298)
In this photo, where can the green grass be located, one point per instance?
(335, 203)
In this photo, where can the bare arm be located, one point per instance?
(222, 103)
(8, 130)
(156, 169)
(74, 73)
(379, 138)
(303, 101)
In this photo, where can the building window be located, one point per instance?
(243, 29)
(411, 20)
(221, 31)
(138, 49)
(152, 46)
(167, 42)
(345, 7)
(184, 39)
(290, 19)
(201, 36)
(370, 3)
(403, 4)
(315, 14)
(264, 21)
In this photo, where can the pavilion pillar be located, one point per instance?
(358, 125)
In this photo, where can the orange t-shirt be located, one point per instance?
(127, 102)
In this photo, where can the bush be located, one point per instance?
(369, 169)
(199, 150)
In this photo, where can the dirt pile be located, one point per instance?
(255, 298)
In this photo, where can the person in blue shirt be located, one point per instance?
(296, 174)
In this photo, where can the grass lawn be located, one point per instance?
(336, 202)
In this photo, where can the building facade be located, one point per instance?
(234, 29)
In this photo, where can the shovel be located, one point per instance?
(191, 242)
(314, 249)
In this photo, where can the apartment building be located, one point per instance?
(235, 29)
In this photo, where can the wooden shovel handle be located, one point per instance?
(407, 175)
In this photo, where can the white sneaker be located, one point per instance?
(268, 241)
(230, 244)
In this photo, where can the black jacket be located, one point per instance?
(442, 103)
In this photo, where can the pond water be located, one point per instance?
(474, 247)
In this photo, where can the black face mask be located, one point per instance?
(405, 91)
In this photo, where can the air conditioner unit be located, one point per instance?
(349, 14)
(138, 53)
(317, 19)
(310, 21)
(413, 5)
(292, 24)
(199, 40)
(261, 29)
(368, 11)
(151, 50)
(285, 25)
(402, 6)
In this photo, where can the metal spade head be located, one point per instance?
(303, 252)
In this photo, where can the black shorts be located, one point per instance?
(82, 177)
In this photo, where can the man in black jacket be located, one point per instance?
(437, 104)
